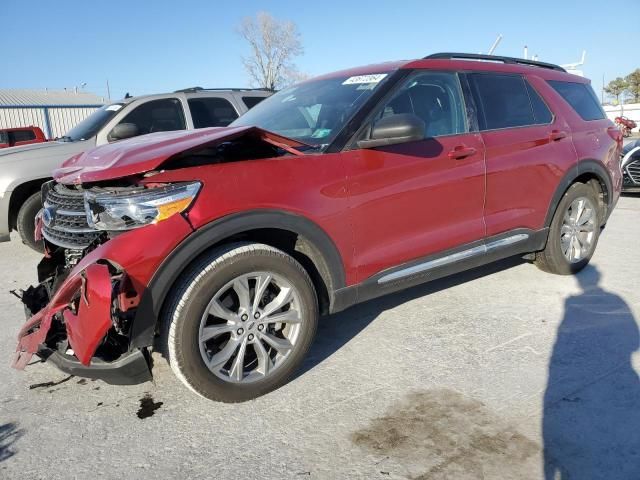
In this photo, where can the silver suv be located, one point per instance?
(23, 170)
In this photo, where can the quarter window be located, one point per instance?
(211, 112)
(157, 116)
(502, 100)
(581, 97)
(251, 102)
(541, 112)
(434, 97)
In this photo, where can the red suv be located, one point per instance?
(221, 247)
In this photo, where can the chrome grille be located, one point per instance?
(633, 170)
(64, 218)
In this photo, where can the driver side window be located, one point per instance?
(157, 116)
(435, 98)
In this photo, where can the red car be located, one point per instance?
(14, 137)
(221, 247)
(626, 125)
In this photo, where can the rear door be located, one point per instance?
(415, 199)
(211, 111)
(527, 150)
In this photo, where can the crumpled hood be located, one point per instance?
(142, 154)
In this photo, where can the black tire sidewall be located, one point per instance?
(26, 222)
(192, 366)
(553, 243)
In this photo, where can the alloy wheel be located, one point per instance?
(578, 230)
(250, 327)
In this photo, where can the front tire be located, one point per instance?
(26, 222)
(240, 322)
(573, 233)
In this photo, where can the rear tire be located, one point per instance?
(26, 222)
(565, 230)
(226, 340)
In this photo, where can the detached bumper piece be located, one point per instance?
(83, 304)
(130, 369)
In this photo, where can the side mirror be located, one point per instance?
(394, 129)
(122, 131)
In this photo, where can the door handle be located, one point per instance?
(461, 151)
(556, 135)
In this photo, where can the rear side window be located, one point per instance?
(502, 100)
(581, 97)
(21, 136)
(541, 112)
(211, 112)
(4, 137)
(251, 102)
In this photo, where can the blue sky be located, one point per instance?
(156, 46)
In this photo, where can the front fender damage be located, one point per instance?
(83, 304)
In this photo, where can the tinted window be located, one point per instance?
(21, 136)
(211, 112)
(435, 98)
(4, 137)
(251, 102)
(157, 116)
(502, 100)
(541, 112)
(581, 97)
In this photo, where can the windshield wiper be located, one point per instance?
(65, 138)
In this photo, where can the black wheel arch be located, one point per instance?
(19, 195)
(585, 170)
(312, 245)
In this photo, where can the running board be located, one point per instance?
(453, 258)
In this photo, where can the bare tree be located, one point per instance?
(274, 43)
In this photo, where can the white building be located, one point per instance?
(55, 112)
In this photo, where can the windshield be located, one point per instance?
(313, 112)
(93, 123)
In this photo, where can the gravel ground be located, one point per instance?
(485, 375)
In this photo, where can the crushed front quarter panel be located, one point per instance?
(90, 279)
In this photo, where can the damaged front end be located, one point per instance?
(108, 223)
(83, 325)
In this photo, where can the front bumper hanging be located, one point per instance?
(90, 290)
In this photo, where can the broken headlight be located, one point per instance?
(125, 211)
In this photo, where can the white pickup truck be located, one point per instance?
(24, 169)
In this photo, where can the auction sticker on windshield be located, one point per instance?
(358, 79)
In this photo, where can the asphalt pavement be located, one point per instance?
(503, 372)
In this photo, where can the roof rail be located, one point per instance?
(200, 89)
(493, 58)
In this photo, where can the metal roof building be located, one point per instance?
(54, 111)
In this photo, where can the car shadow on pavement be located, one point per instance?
(9, 434)
(591, 420)
(337, 330)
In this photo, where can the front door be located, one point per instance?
(415, 199)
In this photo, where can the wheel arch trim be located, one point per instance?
(587, 166)
(326, 258)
